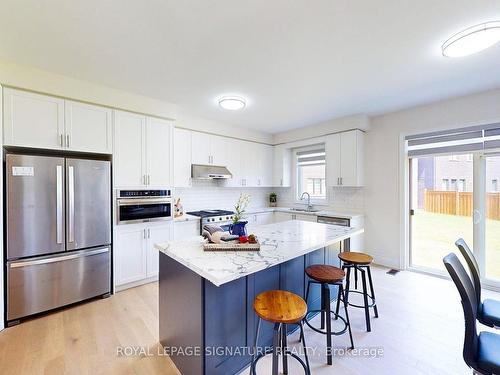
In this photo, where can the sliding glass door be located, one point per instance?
(441, 207)
(492, 227)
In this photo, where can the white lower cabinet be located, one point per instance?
(312, 218)
(282, 216)
(186, 229)
(136, 258)
(261, 218)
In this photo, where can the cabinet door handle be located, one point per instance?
(67, 140)
(340, 180)
(149, 233)
(149, 179)
(281, 182)
(144, 233)
(61, 140)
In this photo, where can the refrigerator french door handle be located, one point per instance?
(71, 204)
(59, 204)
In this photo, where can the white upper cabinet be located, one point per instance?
(200, 148)
(209, 149)
(282, 165)
(88, 127)
(182, 158)
(266, 165)
(249, 167)
(218, 150)
(143, 151)
(345, 159)
(130, 149)
(33, 120)
(43, 121)
(234, 164)
(159, 151)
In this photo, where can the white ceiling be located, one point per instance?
(298, 62)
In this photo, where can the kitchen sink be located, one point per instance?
(303, 210)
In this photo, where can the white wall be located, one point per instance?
(317, 130)
(384, 191)
(54, 84)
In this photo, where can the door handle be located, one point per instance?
(67, 140)
(149, 233)
(71, 203)
(59, 204)
(149, 179)
(144, 233)
(61, 140)
(25, 263)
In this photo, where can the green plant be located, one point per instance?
(240, 207)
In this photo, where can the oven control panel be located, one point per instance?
(143, 193)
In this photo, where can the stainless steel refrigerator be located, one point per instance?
(58, 232)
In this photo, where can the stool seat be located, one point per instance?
(355, 258)
(325, 273)
(279, 306)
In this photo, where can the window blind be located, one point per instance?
(311, 157)
(469, 139)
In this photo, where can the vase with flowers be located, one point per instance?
(238, 226)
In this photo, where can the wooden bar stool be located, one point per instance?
(360, 262)
(281, 308)
(328, 275)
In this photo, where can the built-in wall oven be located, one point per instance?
(137, 206)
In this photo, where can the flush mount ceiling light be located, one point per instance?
(232, 103)
(472, 40)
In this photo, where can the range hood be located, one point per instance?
(209, 172)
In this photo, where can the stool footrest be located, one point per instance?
(372, 304)
(269, 350)
(322, 331)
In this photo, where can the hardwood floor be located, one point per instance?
(420, 331)
(86, 339)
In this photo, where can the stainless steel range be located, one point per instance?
(220, 217)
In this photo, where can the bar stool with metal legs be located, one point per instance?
(326, 275)
(360, 262)
(281, 308)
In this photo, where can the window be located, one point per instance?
(311, 172)
(454, 158)
(445, 184)
(453, 185)
(461, 184)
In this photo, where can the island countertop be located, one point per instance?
(280, 242)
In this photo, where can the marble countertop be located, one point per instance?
(186, 217)
(280, 242)
(329, 213)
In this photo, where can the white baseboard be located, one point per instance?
(119, 288)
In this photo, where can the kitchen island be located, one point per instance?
(206, 318)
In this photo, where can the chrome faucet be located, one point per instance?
(309, 205)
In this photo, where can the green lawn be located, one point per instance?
(434, 236)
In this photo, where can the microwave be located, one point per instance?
(138, 206)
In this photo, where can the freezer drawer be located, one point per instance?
(39, 284)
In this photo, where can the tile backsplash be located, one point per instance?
(210, 195)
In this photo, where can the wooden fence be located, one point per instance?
(459, 203)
